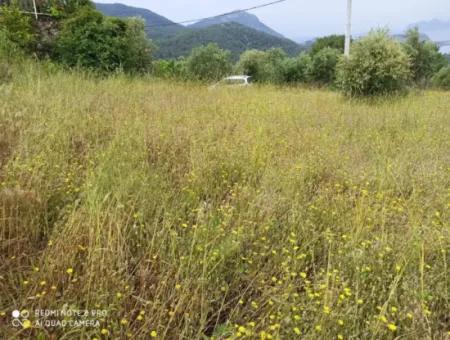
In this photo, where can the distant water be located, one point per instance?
(445, 49)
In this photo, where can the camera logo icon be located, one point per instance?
(20, 319)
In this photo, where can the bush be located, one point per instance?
(424, 55)
(264, 66)
(208, 63)
(16, 29)
(93, 41)
(170, 69)
(323, 67)
(442, 78)
(378, 65)
(296, 70)
(65, 8)
(136, 55)
(8, 49)
(332, 41)
(250, 63)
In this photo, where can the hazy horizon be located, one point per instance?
(298, 19)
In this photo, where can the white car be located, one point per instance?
(237, 81)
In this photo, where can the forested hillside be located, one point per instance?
(157, 26)
(230, 36)
(243, 18)
(236, 32)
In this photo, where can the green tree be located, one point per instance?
(137, 47)
(323, 67)
(250, 63)
(424, 55)
(331, 41)
(442, 78)
(263, 66)
(16, 28)
(91, 40)
(207, 63)
(65, 8)
(170, 69)
(273, 64)
(378, 65)
(297, 70)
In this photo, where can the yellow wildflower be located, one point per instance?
(392, 327)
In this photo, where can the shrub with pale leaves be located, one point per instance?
(378, 65)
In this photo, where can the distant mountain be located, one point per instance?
(175, 40)
(158, 27)
(437, 30)
(402, 37)
(234, 37)
(305, 39)
(243, 18)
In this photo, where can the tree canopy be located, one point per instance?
(424, 55)
(378, 65)
(91, 40)
(332, 41)
(208, 62)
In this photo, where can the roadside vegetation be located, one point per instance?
(78, 36)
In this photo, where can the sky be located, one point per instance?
(298, 19)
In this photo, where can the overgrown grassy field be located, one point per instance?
(188, 213)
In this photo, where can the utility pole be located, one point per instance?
(348, 31)
(35, 9)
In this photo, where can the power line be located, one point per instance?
(218, 16)
(194, 20)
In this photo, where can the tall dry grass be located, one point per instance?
(188, 213)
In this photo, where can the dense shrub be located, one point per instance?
(442, 78)
(424, 55)
(263, 66)
(170, 69)
(64, 8)
(91, 40)
(208, 63)
(16, 29)
(250, 63)
(332, 41)
(8, 49)
(296, 70)
(323, 67)
(273, 65)
(378, 65)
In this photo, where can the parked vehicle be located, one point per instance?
(235, 81)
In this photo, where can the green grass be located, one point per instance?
(256, 213)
